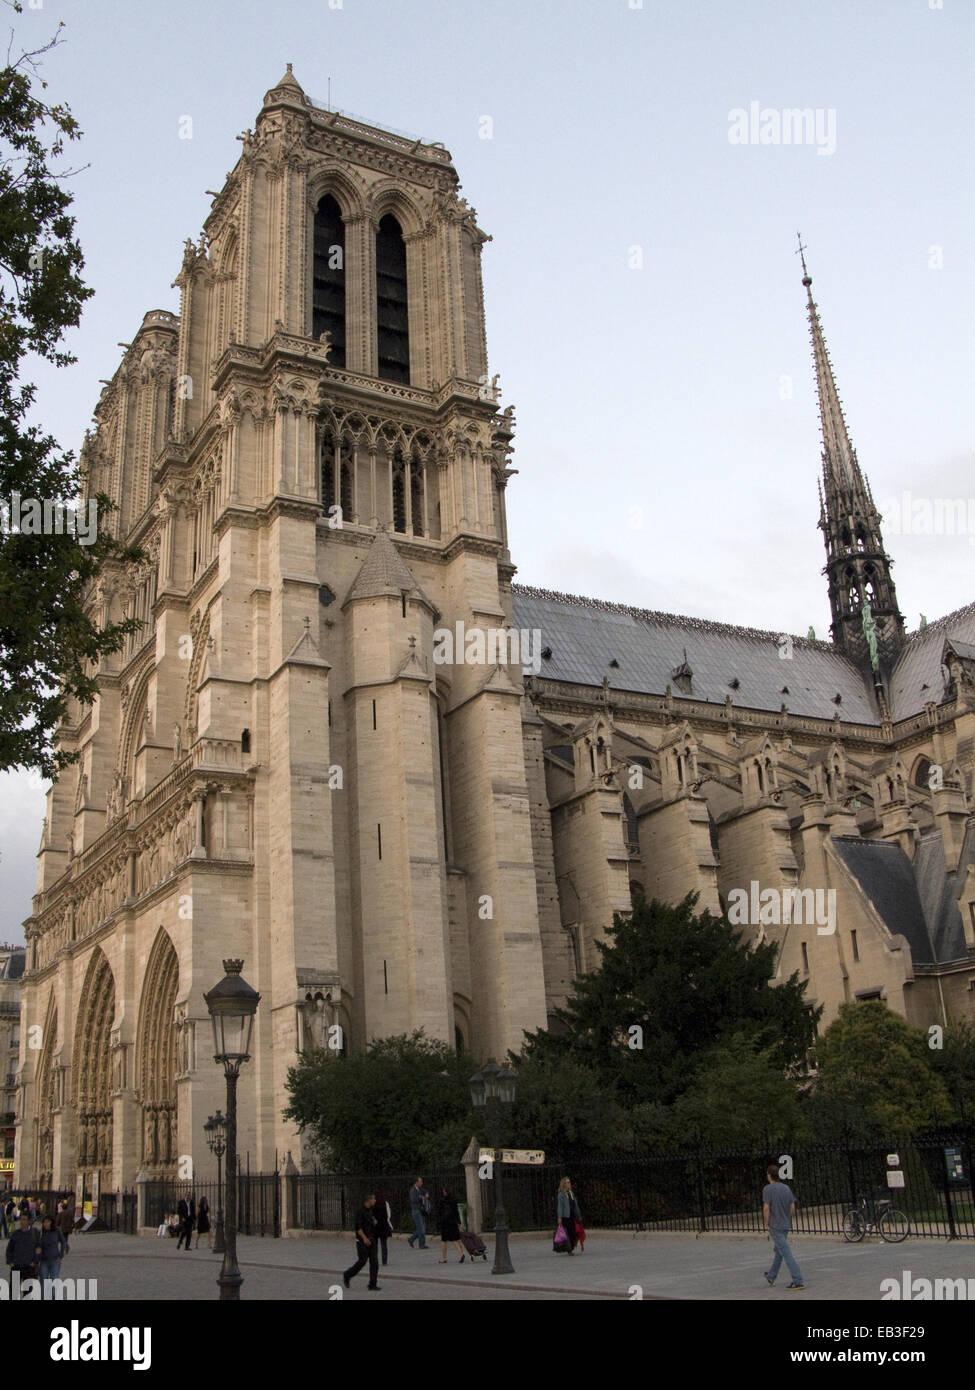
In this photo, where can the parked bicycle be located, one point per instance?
(883, 1217)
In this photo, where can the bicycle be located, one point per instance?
(883, 1217)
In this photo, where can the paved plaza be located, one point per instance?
(662, 1266)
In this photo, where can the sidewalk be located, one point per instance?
(660, 1266)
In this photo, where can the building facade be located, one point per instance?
(287, 765)
(12, 959)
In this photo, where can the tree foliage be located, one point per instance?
(403, 1104)
(875, 1076)
(687, 983)
(49, 643)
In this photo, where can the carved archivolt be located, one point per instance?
(46, 1100)
(93, 1065)
(157, 1053)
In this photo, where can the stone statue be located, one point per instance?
(177, 743)
(870, 632)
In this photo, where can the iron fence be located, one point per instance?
(705, 1190)
(258, 1201)
(329, 1201)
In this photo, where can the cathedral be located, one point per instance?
(282, 767)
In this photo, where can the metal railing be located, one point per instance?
(706, 1190)
(329, 1201)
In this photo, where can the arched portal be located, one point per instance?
(44, 1151)
(93, 1068)
(157, 1058)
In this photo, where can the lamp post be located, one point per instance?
(232, 1005)
(491, 1088)
(215, 1130)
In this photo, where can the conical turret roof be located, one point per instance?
(384, 571)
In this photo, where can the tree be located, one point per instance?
(875, 1076)
(670, 987)
(562, 1107)
(401, 1105)
(954, 1063)
(49, 643)
(740, 1097)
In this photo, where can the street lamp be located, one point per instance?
(215, 1130)
(232, 1005)
(491, 1088)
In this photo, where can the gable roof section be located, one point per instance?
(585, 635)
(918, 675)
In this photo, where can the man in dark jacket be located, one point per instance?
(366, 1244)
(22, 1247)
(186, 1211)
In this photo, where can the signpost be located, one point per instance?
(535, 1156)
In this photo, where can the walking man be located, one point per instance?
(419, 1203)
(22, 1246)
(186, 1211)
(779, 1207)
(366, 1244)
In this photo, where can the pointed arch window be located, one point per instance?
(328, 278)
(399, 495)
(392, 319)
(327, 463)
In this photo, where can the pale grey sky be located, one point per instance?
(644, 305)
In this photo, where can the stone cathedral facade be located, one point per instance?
(278, 767)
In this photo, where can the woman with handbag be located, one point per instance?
(568, 1214)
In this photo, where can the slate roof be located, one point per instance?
(939, 899)
(886, 875)
(585, 635)
(918, 675)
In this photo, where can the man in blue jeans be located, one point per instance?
(779, 1207)
(419, 1198)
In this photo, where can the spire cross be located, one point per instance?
(801, 255)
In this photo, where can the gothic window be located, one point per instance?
(632, 833)
(327, 464)
(416, 496)
(392, 320)
(399, 496)
(922, 772)
(345, 490)
(328, 277)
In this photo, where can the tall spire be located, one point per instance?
(839, 455)
(866, 625)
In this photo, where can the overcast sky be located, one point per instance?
(643, 296)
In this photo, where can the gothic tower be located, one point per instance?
(284, 763)
(866, 624)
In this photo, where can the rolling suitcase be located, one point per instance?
(473, 1244)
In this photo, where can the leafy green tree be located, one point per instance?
(740, 1097)
(954, 1064)
(564, 1108)
(402, 1104)
(670, 987)
(875, 1077)
(49, 643)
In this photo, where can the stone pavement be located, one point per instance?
(614, 1266)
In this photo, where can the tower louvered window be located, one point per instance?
(392, 321)
(328, 272)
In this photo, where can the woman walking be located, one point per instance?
(384, 1223)
(51, 1249)
(449, 1226)
(568, 1212)
(203, 1227)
